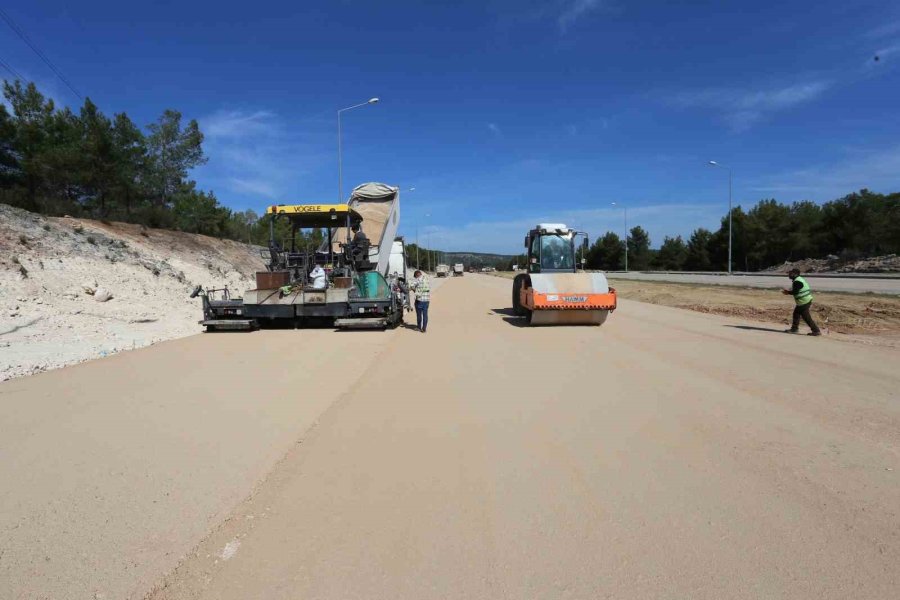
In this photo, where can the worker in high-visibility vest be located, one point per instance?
(803, 298)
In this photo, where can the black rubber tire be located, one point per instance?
(518, 309)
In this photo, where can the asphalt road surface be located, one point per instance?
(852, 284)
(666, 454)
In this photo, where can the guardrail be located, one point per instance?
(761, 274)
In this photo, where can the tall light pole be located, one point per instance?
(418, 220)
(715, 164)
(412, 189)
(430, 254)
(625, 216)
(340, 165)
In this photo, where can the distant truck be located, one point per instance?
(458, 270)
(442, 270)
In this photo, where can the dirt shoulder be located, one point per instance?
(868, 315)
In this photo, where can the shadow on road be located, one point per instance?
(752, 328)
(510, 317)
(516, 321)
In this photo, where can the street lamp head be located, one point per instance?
(612, 203)
(714, 163)
(373, 100)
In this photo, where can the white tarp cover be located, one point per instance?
(379, 206)
(374, 191)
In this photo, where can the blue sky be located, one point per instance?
(501, 113)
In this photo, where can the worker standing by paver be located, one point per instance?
(803, 297)
(359, 237)
(422, 289)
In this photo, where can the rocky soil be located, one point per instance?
(76, 289)
(889, 263)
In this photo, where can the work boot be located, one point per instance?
(791, 331)
(814, 333)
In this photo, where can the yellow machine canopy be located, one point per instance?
(316, 215)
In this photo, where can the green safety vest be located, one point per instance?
(804, 296)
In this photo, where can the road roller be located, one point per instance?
(553, 290)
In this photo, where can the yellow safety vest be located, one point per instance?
(804, 296)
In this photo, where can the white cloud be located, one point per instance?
(495, 129)
(741, 108)
(884, 53)
(236, 124)
(885, 29)
(253, 155)
(574, 10)
(566, 14)
(875, 170)
(254, 187)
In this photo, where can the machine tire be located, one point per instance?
(518, 309)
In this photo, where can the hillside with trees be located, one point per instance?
(57, 162)
(858, 225)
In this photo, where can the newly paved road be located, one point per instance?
(667, 454)
(853, 284)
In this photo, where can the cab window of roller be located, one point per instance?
(556, 252)
(536, 253)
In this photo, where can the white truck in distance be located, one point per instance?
(442, 270)
(458, 270)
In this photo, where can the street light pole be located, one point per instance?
(715, 164)
(340, 164)
(418, 222)
(412, 189)
(625, 214)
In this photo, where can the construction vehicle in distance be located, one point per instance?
(361, 283)
(458, 270)
(442, 270)
(552, 291)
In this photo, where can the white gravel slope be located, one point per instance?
(48, 266)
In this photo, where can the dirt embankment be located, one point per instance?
(75, 289)
(836, 313)
(857, 314)
(889, 263)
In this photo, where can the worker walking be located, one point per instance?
(422, 289)
(803, 297)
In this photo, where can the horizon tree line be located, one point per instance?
(55, 161)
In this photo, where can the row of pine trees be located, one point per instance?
(55, 161)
